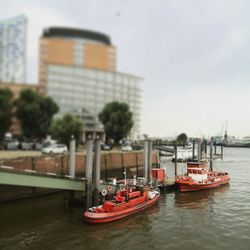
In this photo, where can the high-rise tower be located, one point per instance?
(13, 49)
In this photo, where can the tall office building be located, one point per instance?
(13, 49)
(78, 70)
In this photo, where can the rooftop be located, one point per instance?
(76, 33)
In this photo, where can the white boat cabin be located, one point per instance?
(198, 174)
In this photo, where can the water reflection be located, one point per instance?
(136, 220)
(200, 198)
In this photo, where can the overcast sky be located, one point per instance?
(194, 56)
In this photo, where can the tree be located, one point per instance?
(63, 128)
(6, 107)
(182, 138)
(35, 112)
(117, 120)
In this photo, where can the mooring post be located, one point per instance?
(215, 148)
(150, 148)
(199, 151)
(205, 148)
(193, 152)
(89, 170)
(72, 156)
(145, 171)
(97, 170)
(105, 166)
(175, 162)
(158, 159)
(211, 155)
(136, 161)
(221, 151)
(122, 164)
(33, 168)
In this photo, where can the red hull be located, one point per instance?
(112, 216)
(187, 186)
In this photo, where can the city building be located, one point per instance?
(13, 49)
(78, 70)
(16, 88)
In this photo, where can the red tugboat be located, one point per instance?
(200, 178)
(126, 202)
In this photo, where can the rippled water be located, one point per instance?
(214, 219)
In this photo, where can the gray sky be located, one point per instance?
(194, 56)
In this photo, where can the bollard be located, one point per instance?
(72, 156)
(221, 151)
(150, 148)
(145, 171)
(89, 169)
(97, 170)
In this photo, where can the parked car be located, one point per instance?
(105, 147)
(127, 147)
(137, 146)
(55, 149)
(8, 137)
(11, 145)
(26, 145)
(38, 146)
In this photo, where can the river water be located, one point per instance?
(214, 219)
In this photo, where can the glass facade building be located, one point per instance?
(13, 49)
(78, 70)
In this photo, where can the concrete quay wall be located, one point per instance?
(112, 165)
(59, 164)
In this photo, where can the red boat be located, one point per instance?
(126, 202)
(200, 178)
